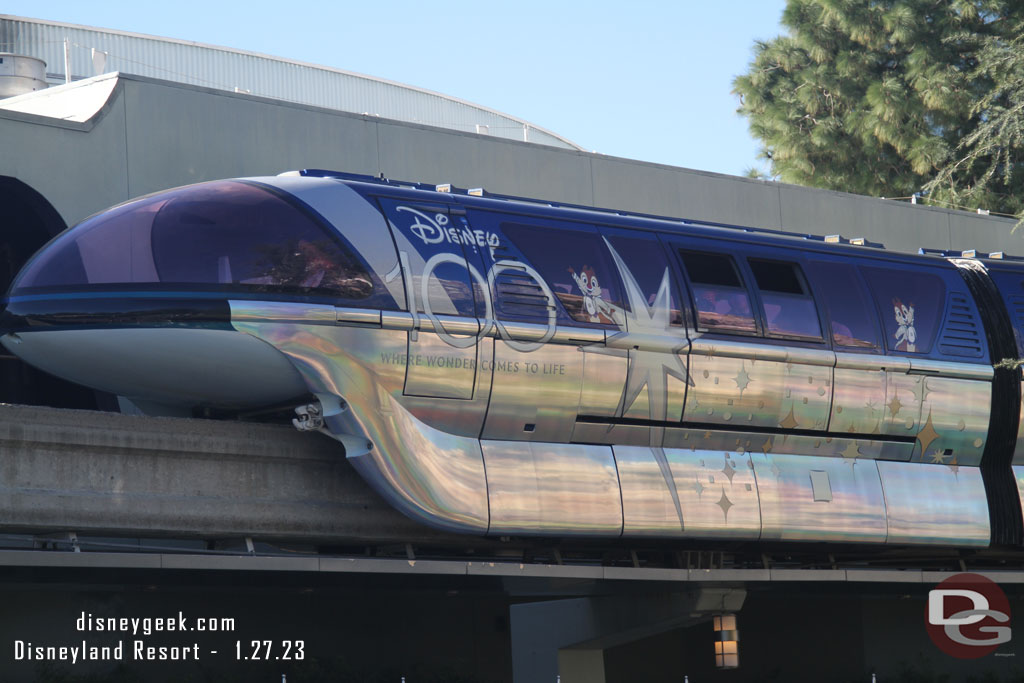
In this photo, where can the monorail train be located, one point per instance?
(500, 366)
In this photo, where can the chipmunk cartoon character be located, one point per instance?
(598, 310)
(906, 335)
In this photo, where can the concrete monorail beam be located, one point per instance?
(122, 475)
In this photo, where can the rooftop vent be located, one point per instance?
(20, 74)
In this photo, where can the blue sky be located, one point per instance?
(644, 80)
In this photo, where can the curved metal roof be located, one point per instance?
(258, 74)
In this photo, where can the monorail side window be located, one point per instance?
(720, 299)
(229, 235)
(237, 234)
(911, 305)
(428, 234)
(577, 267)
(849, 309)
(645, 261)
(789, 309)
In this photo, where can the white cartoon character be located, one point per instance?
(598, 310)
(906, 335)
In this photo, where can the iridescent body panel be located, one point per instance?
(677, 492)
(754, 385)
(564, 489)
(819, 498)
(935, 504)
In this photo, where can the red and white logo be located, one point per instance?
(968, 616)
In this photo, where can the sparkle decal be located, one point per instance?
(725, 504)
(851, 450)
(728, 470)
(895, 406)
(742, 379)
(927, 436)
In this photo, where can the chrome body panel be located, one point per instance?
(183, 366)
(621, 434)
(903, 407)
(431, 475)
(435, 368)
(459, 416)
(759, 386)
(946, 406)
(397, 320)
(926, 366)
(560, 489)
(843, 502)
(935, 504)
(674, 492)
(645, 480)
(858, 397)
(244, 311)
(535, 394)
(955, 421)
(604, 376)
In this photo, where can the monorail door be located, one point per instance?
(448, 363)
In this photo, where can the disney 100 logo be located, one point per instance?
(437, 229)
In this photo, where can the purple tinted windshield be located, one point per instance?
(225, 233)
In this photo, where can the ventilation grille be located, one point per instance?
(518, 294)
(961, 336)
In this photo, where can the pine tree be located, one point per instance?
(987, 168)
(874, 96)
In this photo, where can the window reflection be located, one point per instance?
(235, 233)
(302, 264)
(853, 318)
(720, 299)
(789, 308)
(227, 233)
(646, 261)
(577, 267)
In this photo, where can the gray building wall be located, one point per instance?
(152, 135)
(265, 75)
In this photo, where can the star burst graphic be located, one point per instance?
(649, 338)
(653, 350)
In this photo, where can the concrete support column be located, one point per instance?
(565, 639)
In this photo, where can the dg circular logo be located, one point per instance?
(968, 616)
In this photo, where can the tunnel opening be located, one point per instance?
(27, 222)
